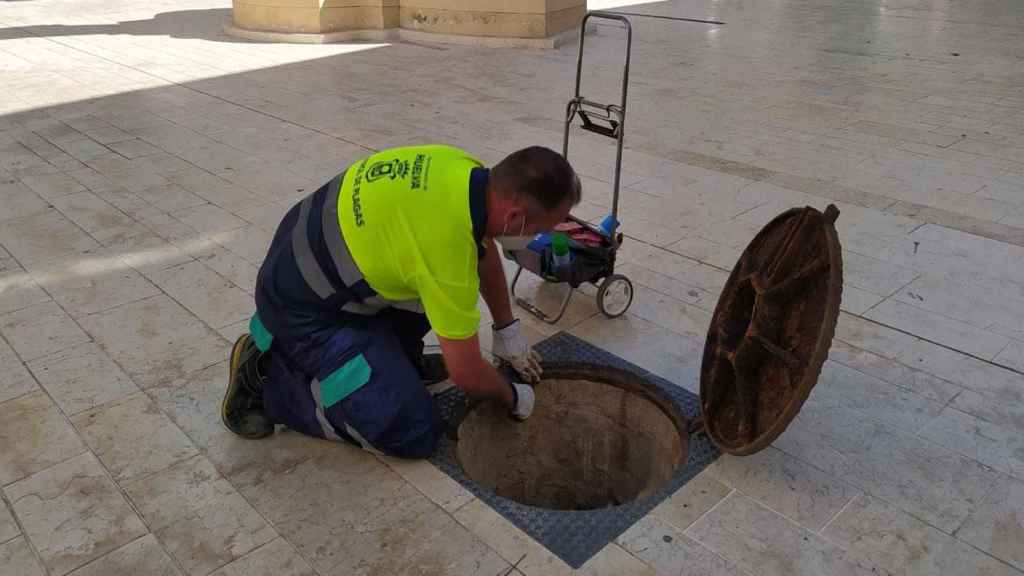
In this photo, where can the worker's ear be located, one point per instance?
(514, 221)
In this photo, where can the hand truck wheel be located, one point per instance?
(615, 295)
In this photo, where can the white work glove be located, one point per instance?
(511, 346)
(524, 400)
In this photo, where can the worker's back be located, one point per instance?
(405, 221)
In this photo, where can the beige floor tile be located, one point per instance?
(16, 379)
(81, 378)
(193, 402)
(788, 486)
(168, 227)
(155, 340)
(51, 186)
(209, 219)
(926, 385)
(997, 527)
(35, 436)
(514, 545)
(431, 543)
(992, 381)
(917, 476)
(93, 283)
(703, 250)
(170, 197)
(73, 513)
(251, 243)
(687, 320)
(239, 271)
(690, 294)
(669, 551)
(85, 149)
(206, 294)
(133, 438)
(267, 217)
(1012, 356)
(43, 236)
(431, 482)
(691, 501)
(92, 179)
(893, 405)
(953, 333)
(977, 300)
(274, 559)
(143, 557)
(107, 134)
(40, 330)
(97, 217)
(233, 331)
(762, 542)
(358, 503)
(990, 444)
(20, 201)
(215, 189)
(18, 290)
(872, 274)
(612, 560)
(133, 148)
(198, 515)
(17, 559)
(857, 301)
(901, 544)
(873, 337)
(1000, 413)
(150, 253)
(146, 181)
(8, 528)
(673, 356)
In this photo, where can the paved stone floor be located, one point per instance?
(145, 159)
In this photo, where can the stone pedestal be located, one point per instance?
(531, 23)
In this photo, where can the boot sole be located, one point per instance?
(235, 362)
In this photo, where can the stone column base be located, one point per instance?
(399, 35)
(500, 23)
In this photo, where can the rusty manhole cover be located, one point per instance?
(771, 330)
(600, 436)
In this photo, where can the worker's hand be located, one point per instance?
(523, 401)
(511, 346)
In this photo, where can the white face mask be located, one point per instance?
(519, 242)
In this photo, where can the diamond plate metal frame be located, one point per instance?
(576, 535)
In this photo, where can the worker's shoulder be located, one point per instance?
(431, 150)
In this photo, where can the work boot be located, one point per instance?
(242, 408)
(432, 369)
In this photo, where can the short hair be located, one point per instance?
(541, 174)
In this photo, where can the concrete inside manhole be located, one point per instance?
(598, 437)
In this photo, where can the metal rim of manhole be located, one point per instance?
(600, 436)
(771, 330)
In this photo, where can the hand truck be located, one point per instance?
(593, 264)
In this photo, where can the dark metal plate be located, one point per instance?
(771, 330)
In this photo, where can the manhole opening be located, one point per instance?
(598, 437)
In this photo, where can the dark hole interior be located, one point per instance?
(588, 445)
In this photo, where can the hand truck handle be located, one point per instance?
(629, 50)
(617, 132)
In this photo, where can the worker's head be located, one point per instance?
(529, 192)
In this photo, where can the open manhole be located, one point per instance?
(599, 437)
(602, 437)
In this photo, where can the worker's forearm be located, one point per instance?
(488, 384)
(494, 286)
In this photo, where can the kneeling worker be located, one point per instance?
(358, 273)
